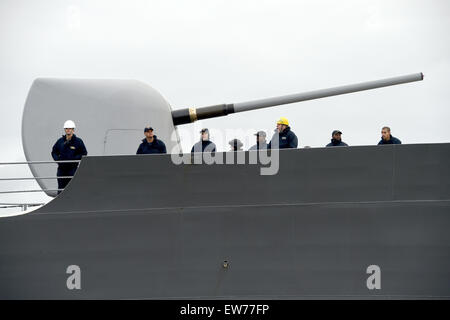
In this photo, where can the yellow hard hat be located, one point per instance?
(283, 120)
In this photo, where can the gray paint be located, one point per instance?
(317, 94)
(183, 116)
(142, 227)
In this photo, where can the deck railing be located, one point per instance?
(34, 178)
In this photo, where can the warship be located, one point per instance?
(359, 222)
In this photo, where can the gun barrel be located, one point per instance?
(189, 115)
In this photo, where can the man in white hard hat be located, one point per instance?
(68, 147)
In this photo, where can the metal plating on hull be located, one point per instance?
(143, 227)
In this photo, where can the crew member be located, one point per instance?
(236, 145)
(336, 140)
(387, 138)
(286, 137)
(68, 147)
(260, 141)
(204, 145)
(151, 144)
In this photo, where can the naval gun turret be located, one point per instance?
(363, 222)
(110, 115)
(189, 115)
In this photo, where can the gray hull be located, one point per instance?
(142, 227)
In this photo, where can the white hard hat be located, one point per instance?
(69, 124)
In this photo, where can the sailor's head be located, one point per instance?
(386, 133)
(204, 134)
(260, 136)
(148, 132)
(69, 127)
(282, 124)
(336, 135)
(235, 144)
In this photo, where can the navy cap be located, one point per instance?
(146, 129)
(335, 131)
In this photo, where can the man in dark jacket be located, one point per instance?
(204, 145)
(260, 141)
(336, 140)
(235, 145)
(387, 138)
(151, 144)
(68, 147)
(286, 137)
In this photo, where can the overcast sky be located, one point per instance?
(203, 52)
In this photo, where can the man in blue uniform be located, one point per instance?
(260, 141)
(387, 138)
(336, 140)
(68, 147)
(286, 137)
(204, 145)
(151, 144)
(235, 145)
